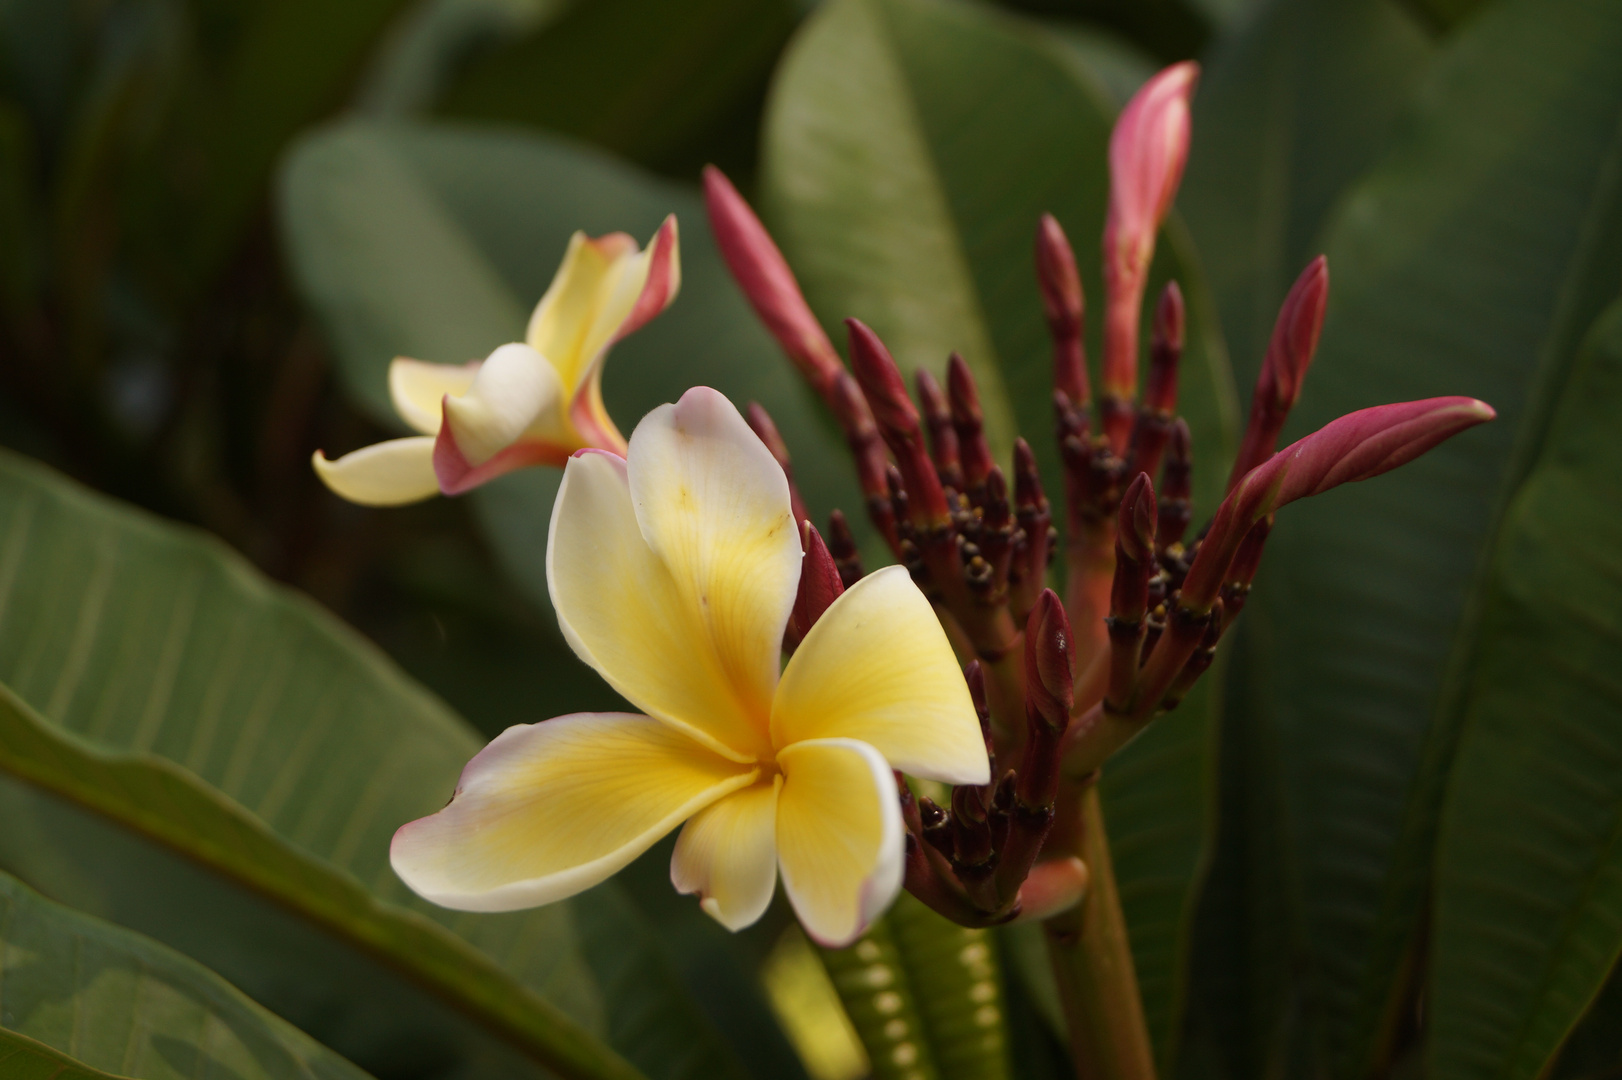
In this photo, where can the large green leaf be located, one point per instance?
(911, 147)
(166, 650)
(434, 241)
(116, 1001)
(22, 1058)
(1529, 856)
(1469, 262)
(1295, 103)
(665, 84)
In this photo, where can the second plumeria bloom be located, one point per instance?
(674, 571)
(533, 402)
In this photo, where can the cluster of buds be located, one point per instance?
(1149, 602)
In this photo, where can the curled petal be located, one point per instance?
(624, 613)
(713, 506)
(728, 855)
(418, 389)
(514, 389)
(839, 837)
(391, 473)
(604, 290)
(548, 810)
(877, 667)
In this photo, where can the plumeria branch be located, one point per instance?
(1059, 687)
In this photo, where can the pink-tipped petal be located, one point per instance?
(767, 282)
(1289, 352)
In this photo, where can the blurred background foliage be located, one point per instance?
(1380, 842)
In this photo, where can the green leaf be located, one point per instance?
(1293, 106)
(911, 147)
(1468, 262)
(961, 1002)
(108, 999)
(206, 691)
(22, 1058)
(663, 84)
(433, 241)
(1529, 856)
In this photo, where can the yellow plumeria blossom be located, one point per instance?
(673, 571)
(533, 402)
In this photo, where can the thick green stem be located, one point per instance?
(1092, 960)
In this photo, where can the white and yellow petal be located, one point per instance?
(727, 854)
(604, 289)
(392, 473)
(418, 389)
(713, 505)
(839, 837)
(621, 610)
(877, 667)
(515, 388)
(548, 810)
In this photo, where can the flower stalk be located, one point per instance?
(1059, 687)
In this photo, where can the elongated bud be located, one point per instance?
(761, 271)
(1289, 352)
(842, 546)
(820, 586)
(897, 417)
(964, 397)
(1035, 518)
(760, 421)
(942, 435)
(1062, 300)
(1052, 888)
(996, 534)
(1165, 350)
(1176, 486)
(1048, 680)
(1147, 152)
(1160, 399)
(867, 448)
(1129, 589)
(1357, 446)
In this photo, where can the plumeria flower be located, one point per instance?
(674, 570)
(533, 402)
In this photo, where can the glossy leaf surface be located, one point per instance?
(117, 1002)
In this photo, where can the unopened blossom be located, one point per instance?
(674, 571)
(1147, 152)
(533, 402)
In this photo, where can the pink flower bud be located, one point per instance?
(1048, 680)
(1295, 339)
(1147, 151)
(764, 275)
(820, 586)
(1357, 446)
(1060, 283)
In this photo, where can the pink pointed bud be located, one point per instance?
(1135, 525)
(764, 275)
(1278, 387)
(760, 421)
(942, 435)
(1176, 484)
(886, 393)
(1048, 685)
(820, 586)
(1062, 299)
(842, 546)
(964, 397)
(1165, 350)
(1147, 151)
(1358, 446)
